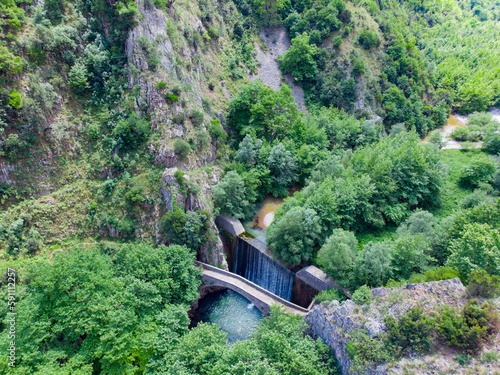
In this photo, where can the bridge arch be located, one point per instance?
(260, 297)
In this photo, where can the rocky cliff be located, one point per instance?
(334, 323)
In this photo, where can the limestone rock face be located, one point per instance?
(333, 322)
(213, 251)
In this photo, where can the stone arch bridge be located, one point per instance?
(260, 297)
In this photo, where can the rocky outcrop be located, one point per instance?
(333, 322)
(211, 252)
(277, 43)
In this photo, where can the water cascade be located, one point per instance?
(254, 265)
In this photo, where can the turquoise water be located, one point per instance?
(232, 312)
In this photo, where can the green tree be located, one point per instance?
(411, 332)
(170, 269)
(230, 196)
(410, 255)
(479, 170)
(78, 78)
(260, 111)
(15, 100)
(131, 131)
(337, 256)
(269, 11)
(88, 310)
(181, 148)
(293, 238)
(283, 166)
(373, 264)
(419, 222)
(368, 39)
(299, 59)
(477, 247)
(248, 150)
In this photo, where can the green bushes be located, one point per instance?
(481, 284)
(15, 100)
(299, 59)
(365, 351)
(475, 248)
(329, 295)
(131, 131)
(411, 332)
(179, 118)
(216, 130)
(196, 118)
(171, 97)
(9, 63)
(78, 80)
(363, 295)
(181, 148)
(472, 328)
(368, 39)
(191, 229)
(231, 196)
(161, 85)
(480, 170)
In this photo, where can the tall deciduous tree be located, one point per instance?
(293, 238)
(299, 59)
(337, 256)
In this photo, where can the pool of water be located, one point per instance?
(232, 312)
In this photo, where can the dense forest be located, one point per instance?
(127, 127)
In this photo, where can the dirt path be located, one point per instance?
(277, 43)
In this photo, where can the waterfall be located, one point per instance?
(261, 269)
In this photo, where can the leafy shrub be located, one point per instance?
(481, 284)
(362, 295)
(411, 332)
(203, 138)
(176, 90)
(172, 98)
(216, 130)
(442, 273)
(181, 148)
(299, 59)
(230, 196)
(490, 357)
(78, 78)
(460, 134)
(368, 39)
(9, 63)
(478, 171)
(329, 295)
(161, 85)
(436, 139)
(132, 131)
(337, 41)
(190, 229)
(127, 226)
(196, 118)
(365, 351)
(212, 32)
(337, 255)
(179, 118)
(470, 330)
(358, 67)
(15, 100)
